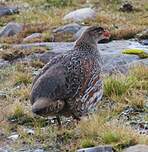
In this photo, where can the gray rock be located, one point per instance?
(3, 94)
(143, 34)
(13, 137)
(144, 42)
(127, 7)
(11, 29)
(69, 28)
(78, 34)
(81, 14)
(137, 148)
(5, 149)
(29, 131)
(104, 148)
(113, 59)
(3, 63)
(8, 10)
(32, 36)
(38, 150)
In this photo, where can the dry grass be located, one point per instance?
(11, 54)
(129, 89)
(44, 19)
(98, 131)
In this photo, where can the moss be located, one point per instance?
(140, 53)
(133, 51)
(143, 55)
(110, 137)
(85, 143)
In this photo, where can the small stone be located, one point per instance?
(13, 137)
(39, 150)
(3, 63)
(144, 42)
(11, 29)
(143, 35)
(29, 131)
(69, 28)
(137, 148)
(8, 10)
(3, 94)
(32, 36)
(127, 7)
(81, 14)
(104, 148)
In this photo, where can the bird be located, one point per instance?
(71, 84)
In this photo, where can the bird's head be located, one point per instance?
(91, 36)
(97, 33)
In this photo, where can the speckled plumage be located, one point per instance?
(70, 84)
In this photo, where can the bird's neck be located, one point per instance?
(85, 42)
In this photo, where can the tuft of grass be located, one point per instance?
(11, 54)
(22, 78)
(129, 89)
(110, 137)
(115, 86)
(103, 132)
(59, 3)
(37, 64)
(18, 111)
(86, 143)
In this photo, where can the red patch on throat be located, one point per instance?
(106, 34)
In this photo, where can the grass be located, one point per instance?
(101, 127)
(115, 86)
(98, 130)
(11, 54)
(120, 91)
(46, 15)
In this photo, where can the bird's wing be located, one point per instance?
(47, 66)
(50, 84)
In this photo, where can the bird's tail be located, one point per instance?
(45, 106)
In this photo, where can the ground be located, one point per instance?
(120, 120)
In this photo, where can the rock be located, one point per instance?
(13, 137)
(8, 10)
(104, 148)
(5, 149)
(81, 14)
(127, 7)
(144, 42)
(29, 131)
(143, 35)
(69, 28)
(3, 94)
(11, 29)
(47, 56)
(32, 36)
(39, 150)
(113, 59)
(3, 63)
(137, 148)
(78, 34)
(66, 32)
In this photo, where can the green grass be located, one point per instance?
(118, 86)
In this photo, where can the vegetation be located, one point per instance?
(121, 92)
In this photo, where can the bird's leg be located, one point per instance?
(59, 122)
(77, 120)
